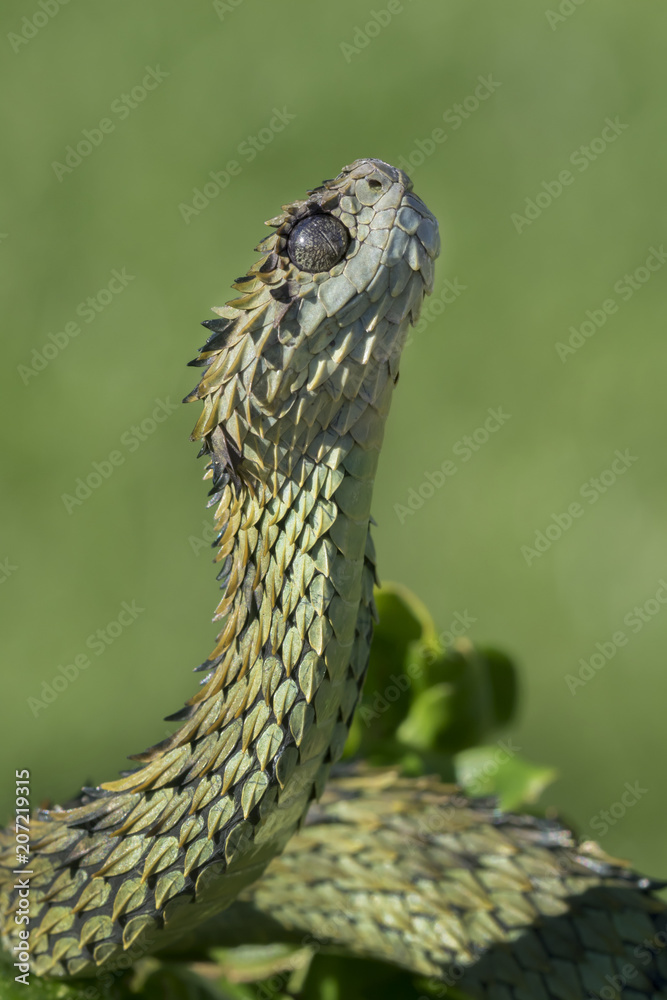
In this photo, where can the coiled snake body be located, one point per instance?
(299, 373)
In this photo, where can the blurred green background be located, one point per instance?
(219, 73)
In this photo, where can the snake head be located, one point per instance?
(320, 320)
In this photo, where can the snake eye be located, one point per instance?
(317, 243)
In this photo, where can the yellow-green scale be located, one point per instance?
(264, 728)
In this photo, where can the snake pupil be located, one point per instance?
(317, 243)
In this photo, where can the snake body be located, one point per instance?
(215, 837)
(299, 373)
(500, 906)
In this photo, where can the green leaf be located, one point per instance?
(357, 979)
(421, 698)
(404, 630)
(471, 693)
(430, 716)
(502, 677)
(178, 982)
(248, 963)
(499, 770)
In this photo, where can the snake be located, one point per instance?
(234, 828)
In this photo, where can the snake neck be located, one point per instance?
(292, 463)
(299, 373)
(296, 564)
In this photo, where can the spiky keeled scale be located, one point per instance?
(298, 378)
